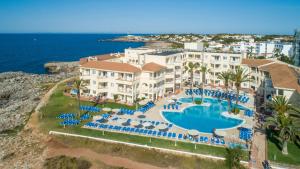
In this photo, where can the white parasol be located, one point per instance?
(116, 110)
(220, 133)
(121, 121)
(134, 123)
(106, 109)
(193, 132)
(161, 126)
(147, 124)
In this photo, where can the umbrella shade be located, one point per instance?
(106, 109)
(115, 110)
(134, 123)
(171, 101)
(147, 124)
(121, 121)
(161, 126)
(249, 126)
(220, 133)
(193, 132)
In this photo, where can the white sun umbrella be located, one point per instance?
(245, 125)
(106, 109)
(161, 126)
(171, 101)
(135, 123)
(116, 110)
(147, 124)
(193, 132)
(121, 121)
(220, 133)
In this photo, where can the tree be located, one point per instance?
(250, 52)
(116, 97)
(233, 157)
(238, 77)
(191, 68)
(203, 70)
(78, 85)
(285, 119)
(225, 77)
(276, 52)
(287, 130)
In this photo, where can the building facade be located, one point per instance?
(296, 47)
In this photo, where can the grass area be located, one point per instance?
(59, 103)
(160, 159)
(274, 151)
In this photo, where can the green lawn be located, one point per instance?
(59, 103)
(274, 151)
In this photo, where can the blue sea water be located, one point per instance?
(29, 52)
(202, 118)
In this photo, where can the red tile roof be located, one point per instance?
(114, 66)
(282, 76)
(153, 67)
(255, 62)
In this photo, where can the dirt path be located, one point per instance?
(258, 148)
(94, 157)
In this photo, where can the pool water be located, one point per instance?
(203, 118)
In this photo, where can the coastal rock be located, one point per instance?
(61, 67)
(19, 94)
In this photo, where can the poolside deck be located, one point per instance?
(154, 114)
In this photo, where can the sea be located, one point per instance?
(29, 52)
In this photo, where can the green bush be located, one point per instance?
(235, 110)
(198, 101)
(64, 162)
(233, 157)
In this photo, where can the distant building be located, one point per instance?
(296, 47)
(193, 46)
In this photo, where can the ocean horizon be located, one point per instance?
(28, 52)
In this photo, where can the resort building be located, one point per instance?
(271, 78)
(296, 48)
(153, 74)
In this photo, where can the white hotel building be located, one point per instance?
(152, 74)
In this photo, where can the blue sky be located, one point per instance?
(150, 16)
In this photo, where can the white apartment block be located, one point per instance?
(152, 74)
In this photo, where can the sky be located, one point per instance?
(150, 16)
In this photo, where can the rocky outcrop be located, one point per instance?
(19, 94)
(61, 67)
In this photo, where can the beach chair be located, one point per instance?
(180, 136)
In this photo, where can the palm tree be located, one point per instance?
(191, 68)
(225, 77)
(78, 85)
(287, 129)
(238, 77)
(203, 70)
(280, 105)
(276, 52)
(233, 157)
(250, 52)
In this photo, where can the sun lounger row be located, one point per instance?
(90, 108)
(66, 116)
(146, 107)
(249, 113)
(85, 116)
(156, 133)
(127, 111)
(70, 122)
(217, 93)
(171, 106)
(246, 134)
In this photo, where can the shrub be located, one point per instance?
(198, 102)
(235, 110)
(62, 162)
(233, 157)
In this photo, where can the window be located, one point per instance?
(94, 82)
(112, 74)
(93, 72)
(225, 66)
(280, 92)
(94, 91)
(224, 57)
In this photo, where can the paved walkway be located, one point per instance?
(258, 149)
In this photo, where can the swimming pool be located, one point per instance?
(202, 118)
